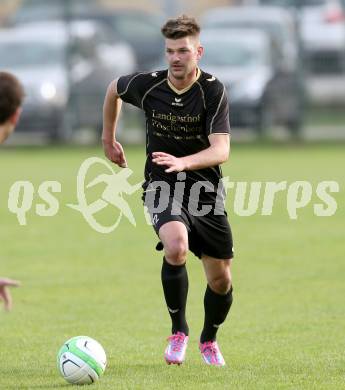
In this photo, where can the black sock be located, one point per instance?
(216, 309)
(175, 286)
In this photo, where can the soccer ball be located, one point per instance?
(81, 360)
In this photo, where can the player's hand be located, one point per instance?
(5, 293)
(114, 152)
(174, 164)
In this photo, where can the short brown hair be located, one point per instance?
(11, 96)
(181, 27)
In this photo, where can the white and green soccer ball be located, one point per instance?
(81, 360)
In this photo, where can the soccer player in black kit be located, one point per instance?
(187, 138)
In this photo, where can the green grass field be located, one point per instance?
(287, 324)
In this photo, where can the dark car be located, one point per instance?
(139, 29)
(278, 23)
(261, 93)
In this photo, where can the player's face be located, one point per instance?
(182, 55)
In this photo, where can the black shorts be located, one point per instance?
(207, 235)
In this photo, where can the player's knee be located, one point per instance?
(176, 251)
(220, 285)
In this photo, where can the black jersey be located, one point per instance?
(178, 122)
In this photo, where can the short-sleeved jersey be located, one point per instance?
(178, 122)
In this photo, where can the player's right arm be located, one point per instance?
(5, 295)
(111, 112)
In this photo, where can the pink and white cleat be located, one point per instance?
(176, 349)
(211, 354)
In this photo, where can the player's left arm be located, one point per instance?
(217, 153)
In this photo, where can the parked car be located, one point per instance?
(288, 3)
(140, 29)
(65, 69)
(278, 23)
(322, 26)
(323, 36)
(261, 92)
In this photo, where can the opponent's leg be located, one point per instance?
(174, 237)
(217, 303)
